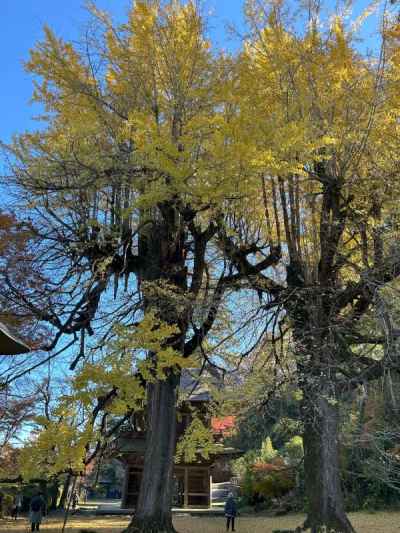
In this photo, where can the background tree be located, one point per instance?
(316, 115)
(17, 404)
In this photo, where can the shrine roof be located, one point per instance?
(195, 387)
(224, 425)
(10, 344)
(125, 444)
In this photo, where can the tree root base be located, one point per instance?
(318, 529)
(297, 530)
(135, 529)
(149, 527)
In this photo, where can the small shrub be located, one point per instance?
(274, 479)
(8, 503)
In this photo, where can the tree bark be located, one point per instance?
(53, 490)
(64, 493)
(317, 355)
(326, 511)
(153, 513)
(162, 248)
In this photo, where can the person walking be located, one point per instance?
(75, 500)
(17, 505)
(37, 509)
(230, 511)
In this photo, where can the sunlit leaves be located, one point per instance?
(196, 442)
(310, 101)
(59, 447)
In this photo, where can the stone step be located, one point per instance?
(190, 512)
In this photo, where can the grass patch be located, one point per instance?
(380, 522)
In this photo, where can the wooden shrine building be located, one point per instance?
(192, 481)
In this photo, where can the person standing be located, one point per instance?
(230, 511)
(75, 500)
(37, 509)
(17, 506)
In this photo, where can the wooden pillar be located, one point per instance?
(125, 487)
(186, 495)
(209, 488)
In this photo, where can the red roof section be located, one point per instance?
(223, 425)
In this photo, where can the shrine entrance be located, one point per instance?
(191, 488)
(194, 486)
(178, 499)
(133, 478)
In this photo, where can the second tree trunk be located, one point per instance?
(322, 469)
(153, 513)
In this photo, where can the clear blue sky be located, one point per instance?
(22, 24)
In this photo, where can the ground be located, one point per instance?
(363, 522)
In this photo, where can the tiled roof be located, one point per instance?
(193, 385)
(223, 425)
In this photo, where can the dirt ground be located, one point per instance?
(363, 523)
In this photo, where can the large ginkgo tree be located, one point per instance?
(130, 185)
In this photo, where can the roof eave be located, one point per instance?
(10, 344)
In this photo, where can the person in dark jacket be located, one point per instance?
(37, 509)
(75, 501)
(230, 511)
(17, 505)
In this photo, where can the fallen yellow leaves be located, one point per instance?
(382, 522)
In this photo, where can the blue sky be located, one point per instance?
(22, 24)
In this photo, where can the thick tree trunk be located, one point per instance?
(317, 353)
(161, 247)
(54, 493)
(322, 470)
(153, 513)
(64, 494)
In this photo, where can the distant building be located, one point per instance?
(9, 343)
(192, 480)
